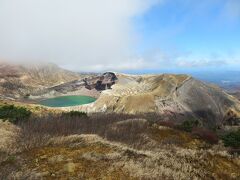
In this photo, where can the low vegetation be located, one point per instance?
(205, 134)
(13, 113)
(188, 125)
(74, 114)
(232, 139)
(113, 146)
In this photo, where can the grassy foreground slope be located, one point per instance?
(110, 146)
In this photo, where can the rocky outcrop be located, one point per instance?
(90, 86)
(102, 82)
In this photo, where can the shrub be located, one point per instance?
(232, 139)
(206, 135)
(75, 114)
(189, 125)
(127, 131)
(10, 160)
(14, 114)
(37, 131)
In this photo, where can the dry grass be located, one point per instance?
(81, 159)
(123, 147)
(137, 104)
(36, 110)
(91, 157)
(88, 162)
(165, 135)
(223, 167)
(8, 136)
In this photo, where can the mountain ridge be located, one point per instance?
(18, 80)
(174, 97)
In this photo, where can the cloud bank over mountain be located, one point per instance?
(121, 35)
(81, 35)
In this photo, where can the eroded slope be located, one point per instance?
(173, 96)
(17, 81)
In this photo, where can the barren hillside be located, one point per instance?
(173, 96)
(19, 80)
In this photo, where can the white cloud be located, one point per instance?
(177, 59)
(136, 63)
(207, 60)
(92, 34)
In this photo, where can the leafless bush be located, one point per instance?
(128, 131)
(119, 127)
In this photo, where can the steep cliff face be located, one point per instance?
(91, 85)
(102, 82)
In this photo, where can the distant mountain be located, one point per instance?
(229, 80)
(19, 80)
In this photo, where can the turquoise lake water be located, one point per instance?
(65, 101)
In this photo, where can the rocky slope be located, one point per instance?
(173, 96)
(91, 85)
(20, 80)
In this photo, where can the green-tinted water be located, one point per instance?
(66, 101)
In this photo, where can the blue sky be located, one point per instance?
(194, 34)
(122, 35)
